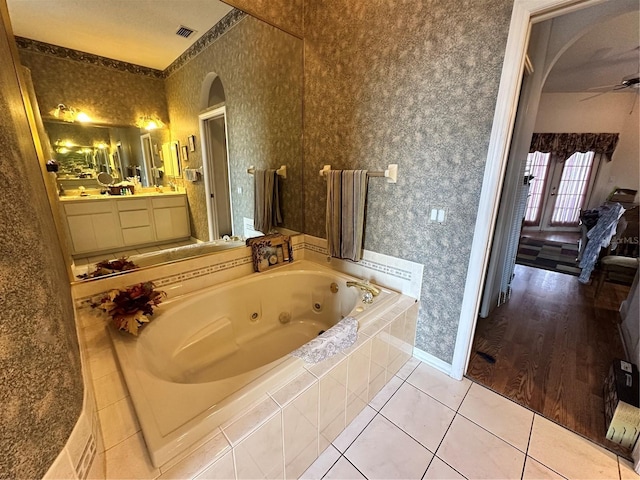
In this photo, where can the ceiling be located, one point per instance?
(601, 58)
(142, 32)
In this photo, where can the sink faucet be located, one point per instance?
(368, 291)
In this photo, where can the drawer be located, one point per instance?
(135, 218)
(137, 204)
(166, 202)
(82, 208)
(137, 235)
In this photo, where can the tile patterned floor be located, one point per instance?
(425, 425)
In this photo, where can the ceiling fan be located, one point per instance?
(630, 82)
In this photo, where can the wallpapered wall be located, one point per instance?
(412, 83)
(286, 14)
(41, 394)
(105, 94)
(261, 71)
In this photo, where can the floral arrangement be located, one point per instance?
(130, 308)
(107, 267)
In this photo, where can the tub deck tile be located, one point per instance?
(241, 427)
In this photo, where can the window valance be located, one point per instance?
(563, 145)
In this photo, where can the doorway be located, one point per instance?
(551, 217)
(213, 129)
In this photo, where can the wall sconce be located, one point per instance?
(149, 123)
(69, 114)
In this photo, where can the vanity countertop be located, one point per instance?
(67, 198)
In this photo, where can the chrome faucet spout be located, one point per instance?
(365, 286)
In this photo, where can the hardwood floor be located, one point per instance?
(553, 344)
(565, 237)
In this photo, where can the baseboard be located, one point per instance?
(432, 361)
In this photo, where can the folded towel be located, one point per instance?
(266, 196)
(337, 338)
(191, 174)
(346, 199)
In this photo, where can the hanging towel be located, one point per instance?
(346, 198)
(266, 210)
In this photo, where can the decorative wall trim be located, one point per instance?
(219, 29)
(83, 57)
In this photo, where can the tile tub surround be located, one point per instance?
(283, 433)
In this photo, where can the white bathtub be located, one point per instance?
(207, 356)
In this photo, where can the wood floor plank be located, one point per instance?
(553, 343)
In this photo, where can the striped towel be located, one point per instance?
(346, 199)
(266, 197)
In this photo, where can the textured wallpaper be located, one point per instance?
(40, 373)
(412, 83)
(106, 94)
(261, 71)
(286, 14)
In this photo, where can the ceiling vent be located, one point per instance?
(184, 31)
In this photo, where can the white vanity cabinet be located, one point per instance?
(135, 221)
(171, 217)
(103, 224)
(92, 226)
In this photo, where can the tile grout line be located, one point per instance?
(526, 453)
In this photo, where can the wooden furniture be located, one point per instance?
(107, 223)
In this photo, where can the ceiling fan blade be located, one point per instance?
(603, 87)
(620, 87)
(593, 96)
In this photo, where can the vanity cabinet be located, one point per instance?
(170, 217)
(92, 227)
(102, 224)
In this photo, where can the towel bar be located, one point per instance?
(391, 173)
(282, 171)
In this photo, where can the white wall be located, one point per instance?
(609, 113)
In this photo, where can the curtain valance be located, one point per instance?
(563, 145)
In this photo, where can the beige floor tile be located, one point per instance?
(118, 422)
(500, 416)
(343, 470)
(129, 459)
(534, 470)
(408, 368)
(626, 470)
(440, 386)
(476, 453)
(385, 394)
(322, 464)
(384, 451)
(421, 416)
(569, 454)
(438, 470)
(354, 429)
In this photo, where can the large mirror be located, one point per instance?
(231, 101)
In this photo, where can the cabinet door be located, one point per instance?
(106, 230)
(82, 233)
(171, 223)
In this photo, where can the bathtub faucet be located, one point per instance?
(368, 291)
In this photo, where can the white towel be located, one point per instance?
(191, 174)
(346, 199)
(266, 197)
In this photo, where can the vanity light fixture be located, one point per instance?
(69, 114)
(149, 123)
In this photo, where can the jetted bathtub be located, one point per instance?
(210, 354)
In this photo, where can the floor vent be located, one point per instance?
(184, 31)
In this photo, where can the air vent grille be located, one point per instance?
(184, 31)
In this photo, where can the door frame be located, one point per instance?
(208, 169)
(524, 14)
